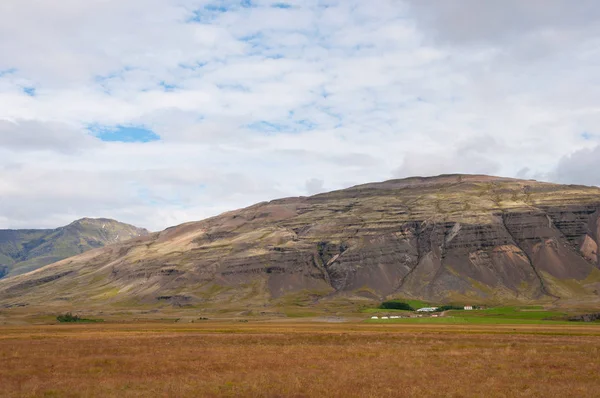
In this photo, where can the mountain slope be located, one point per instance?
(452, 238)
(22, 251)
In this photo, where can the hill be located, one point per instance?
(22, 251)
(452, 238)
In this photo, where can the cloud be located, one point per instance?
(507, 22)
(239, 102)
(473, 156)
(314, 186)
(23, 135)
(580, 167)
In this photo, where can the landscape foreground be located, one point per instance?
(300, 359)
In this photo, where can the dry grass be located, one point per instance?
(299, 360)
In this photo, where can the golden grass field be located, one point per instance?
(299, 359)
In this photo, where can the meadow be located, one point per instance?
(297, 358)
(532, 315)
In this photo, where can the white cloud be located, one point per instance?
(580, 167)
(255, 103)
(314, 186)
(30, 135)
(474, 156)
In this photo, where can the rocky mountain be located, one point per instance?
(452, 238)
(25, 250)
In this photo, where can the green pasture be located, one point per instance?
(497, 315)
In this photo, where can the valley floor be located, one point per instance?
(299, 359)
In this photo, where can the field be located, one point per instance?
(299, 359)
(533, 315)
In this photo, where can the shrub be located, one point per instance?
(68, 317)
(396, 305)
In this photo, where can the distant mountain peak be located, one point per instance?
(26, 250)
(99, 220)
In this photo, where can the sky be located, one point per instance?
(159, 112)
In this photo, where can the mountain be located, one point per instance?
(451, 238)
(25, 250)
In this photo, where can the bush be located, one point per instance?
(396, 305)
(70, 318)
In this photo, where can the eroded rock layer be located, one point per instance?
(448, 238)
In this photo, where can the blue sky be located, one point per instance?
(166, 111)
(121, 133)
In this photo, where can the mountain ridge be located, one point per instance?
(449, 238)
(24, 250)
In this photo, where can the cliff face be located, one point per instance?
(446, 239)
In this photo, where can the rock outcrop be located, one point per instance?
(453, 238)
